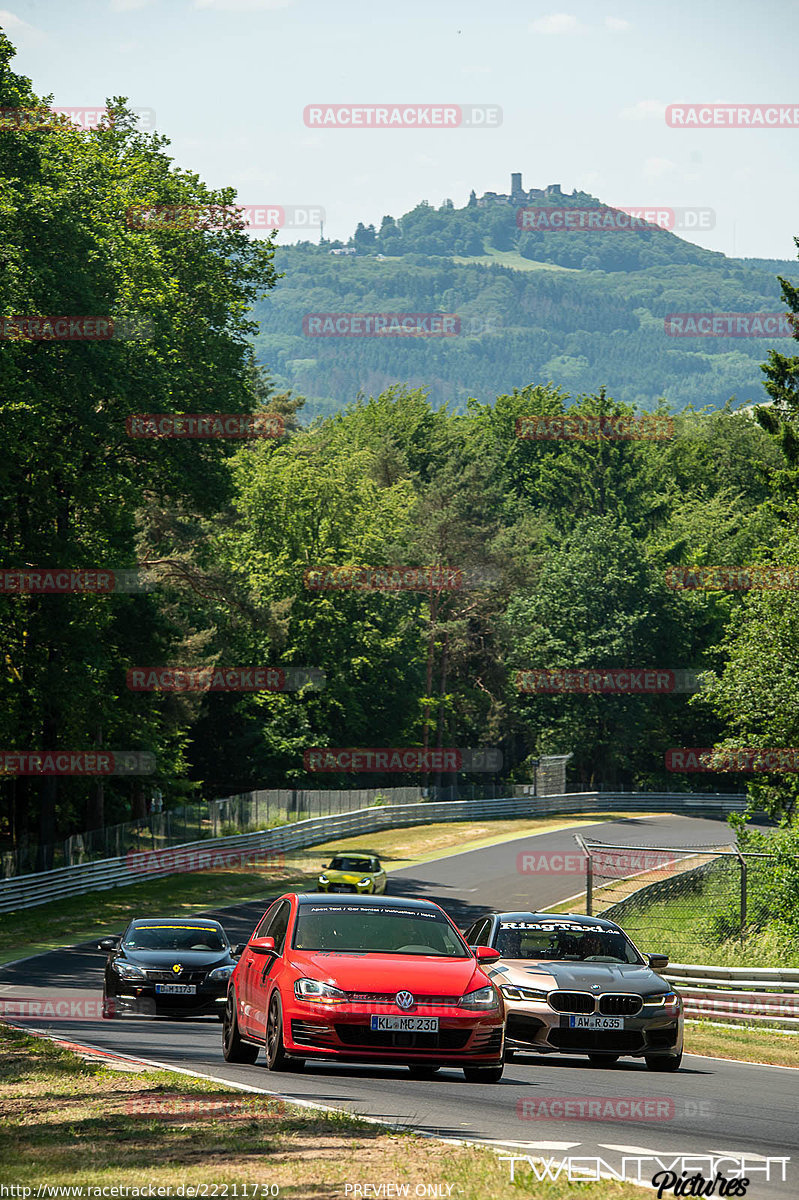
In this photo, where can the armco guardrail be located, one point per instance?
(767, 996)
(26, 891)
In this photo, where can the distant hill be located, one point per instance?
(583, 309)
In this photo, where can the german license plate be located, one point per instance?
(596, 1022)
(176, 989)
(405, 1024)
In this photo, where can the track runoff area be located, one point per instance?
(556, 1115)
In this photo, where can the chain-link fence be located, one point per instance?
(700, 903)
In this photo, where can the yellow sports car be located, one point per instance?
(356, 871)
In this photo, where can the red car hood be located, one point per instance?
(429, 976)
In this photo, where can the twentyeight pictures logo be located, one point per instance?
(402, 116)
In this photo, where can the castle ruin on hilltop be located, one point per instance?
(517, 193)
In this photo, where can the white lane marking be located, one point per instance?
(743, 1062)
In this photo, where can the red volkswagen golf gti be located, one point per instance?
(364, 979)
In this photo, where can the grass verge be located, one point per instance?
(96, 914)
(69, 1122)
(745, 1044)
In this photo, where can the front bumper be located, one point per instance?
(476, 1040)
(351, 888)
(538, 1027)
(143, 1001)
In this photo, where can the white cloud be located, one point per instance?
(242, 5)
(556, 23)
(644, 110)
(656, 168)
(617, 24)
(19, 31)
(128, 5)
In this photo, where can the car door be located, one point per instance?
(267, 968)
(248, 970)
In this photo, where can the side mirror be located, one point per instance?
(263, 945)
(487, 954)
(324, 866)
(109, 945)
(237, 951)
(657, 961)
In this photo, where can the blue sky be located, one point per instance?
(582, 85)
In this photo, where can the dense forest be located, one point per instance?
(566, 544)
(581, 310)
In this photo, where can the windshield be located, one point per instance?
(387, 930)
(175, 937)
(575, 943)
(351, 864)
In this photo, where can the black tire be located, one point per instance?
(483, 1074)
(423, 1070)
(602, 1060)
(276, 1057)
(663, 1062)
(233, 1048)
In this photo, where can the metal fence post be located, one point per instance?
(589, 875)
(742, 861)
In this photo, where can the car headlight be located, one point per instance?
(220, 973)
(481, 998)
(523, 993)
(324, 879)
(126, 970)
(313, 989)
(663, 1000)
(364, 882)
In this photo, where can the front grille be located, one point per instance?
(374, 1039)
(391, 997)
(158, 976)
(620, 1005)
(571, 1002)
(615, 1041)
(342, 887)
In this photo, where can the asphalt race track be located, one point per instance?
(712, 1106)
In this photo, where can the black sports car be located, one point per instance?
(578, 985)
(171, 967)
